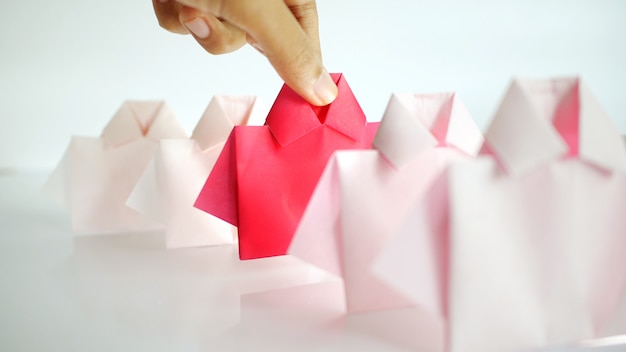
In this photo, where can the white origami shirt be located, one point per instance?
(96, 175)
(173, 179)
(533, 234)
(363, 196)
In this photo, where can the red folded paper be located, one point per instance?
(265, 175)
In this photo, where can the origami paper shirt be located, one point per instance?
(363, 196)
(536, 226)
(265, 175)
(96, 175)
(170, 184)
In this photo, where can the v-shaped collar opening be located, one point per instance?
(291, 117)
(542, 120)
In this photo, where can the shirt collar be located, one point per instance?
(291, 117)
(138, 119)
(414, 123)
(542, 120)
(221, 115)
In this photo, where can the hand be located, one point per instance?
(285, 31)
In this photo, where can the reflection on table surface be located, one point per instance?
(126, 292)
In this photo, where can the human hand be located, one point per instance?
(285, 31)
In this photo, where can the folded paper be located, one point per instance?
(363, 196)
(563, 119)
(529, 243)
(172, 180)
(96, 175)
(265, 175)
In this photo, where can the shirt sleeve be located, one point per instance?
(219, 195)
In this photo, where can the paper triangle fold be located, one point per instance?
(414, 123)
(138, 119)
(221, 115)
(564, 120)
(291, 117)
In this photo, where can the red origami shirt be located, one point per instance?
(265, 175)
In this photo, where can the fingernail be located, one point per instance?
(198, 27)
(325, 89)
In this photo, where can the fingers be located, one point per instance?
(292, 51)
(167, 15)
(305, 12)
(289, 40)
(215, 36)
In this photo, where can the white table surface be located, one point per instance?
(126, 292)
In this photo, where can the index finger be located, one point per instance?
(305, 12)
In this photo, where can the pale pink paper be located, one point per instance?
(547, 267)
(173, 179)
(533, 126)
(96, 175)
(364, 195)
(536, 227)
(416, 258)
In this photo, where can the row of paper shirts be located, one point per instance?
(514, 239)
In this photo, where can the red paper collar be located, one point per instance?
(291, 117)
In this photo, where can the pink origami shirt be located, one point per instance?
(172, 180)
(265, 175)
(535, 228)
(363, 196)
(96, 175)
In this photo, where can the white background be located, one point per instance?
(67, 65)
